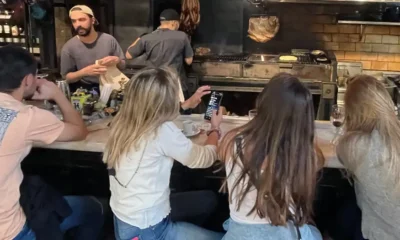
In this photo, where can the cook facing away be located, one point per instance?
(79, 54)
(165, 47)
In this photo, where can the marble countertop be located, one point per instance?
(99, 131)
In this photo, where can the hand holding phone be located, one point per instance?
(213, 104)
(216, 118)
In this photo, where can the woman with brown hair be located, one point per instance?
(272, 166)
(370, 150)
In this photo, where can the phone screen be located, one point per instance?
(213, 104)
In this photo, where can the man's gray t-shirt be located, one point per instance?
(76, 55)
(164, 47)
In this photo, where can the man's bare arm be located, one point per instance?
(127, 54)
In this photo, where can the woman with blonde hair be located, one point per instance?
(272, 166)
(143, 144)
(370, 151)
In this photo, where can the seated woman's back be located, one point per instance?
(369, 150)
(272, 166)
(134, 191)
(139, 153)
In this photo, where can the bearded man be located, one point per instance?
(79, 54)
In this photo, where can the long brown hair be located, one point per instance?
(369, 107)
(279, 158)
(151, 98)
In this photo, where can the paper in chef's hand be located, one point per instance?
(113, 76)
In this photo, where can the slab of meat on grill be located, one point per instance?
(201, 51)
(263, 29)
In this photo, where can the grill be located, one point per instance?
(223, 58)
(305, 59)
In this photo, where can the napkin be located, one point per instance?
(112, 77)
(105, 93)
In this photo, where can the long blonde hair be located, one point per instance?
(151, 98)
(369, 107)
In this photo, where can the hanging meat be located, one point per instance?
(190, 16)
(263, 29)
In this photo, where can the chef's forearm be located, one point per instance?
(72, 77)
(121, 65)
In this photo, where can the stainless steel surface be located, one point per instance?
(252, 84)
(346, 70)
(369, 23)
(328, 91)
(395, 92)
(226, 69)
(263, 58)
(353, 68)
(252, 76)
(63, 85)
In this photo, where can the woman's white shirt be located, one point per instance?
(144, 202)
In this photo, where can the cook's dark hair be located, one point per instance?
(15, 64)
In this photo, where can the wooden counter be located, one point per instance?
(99, 133)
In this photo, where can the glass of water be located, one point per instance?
(252, 113)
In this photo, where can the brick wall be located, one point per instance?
(377, 48)
(314, 26)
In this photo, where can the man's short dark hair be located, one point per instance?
(15, 64)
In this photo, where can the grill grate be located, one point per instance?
(224, 58)
(305, 59)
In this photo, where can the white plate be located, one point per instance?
(322, 59)
(192, 134)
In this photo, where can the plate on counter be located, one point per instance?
(195, 133)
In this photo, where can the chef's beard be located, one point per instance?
(86, 31)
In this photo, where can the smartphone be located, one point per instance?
(213, 104)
